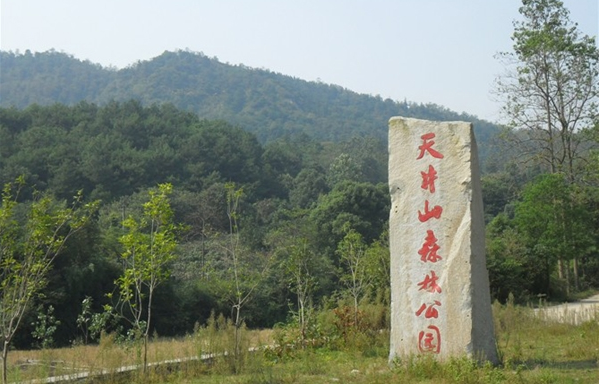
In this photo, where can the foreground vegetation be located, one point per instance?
(532, 351)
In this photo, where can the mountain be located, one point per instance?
(268, 104)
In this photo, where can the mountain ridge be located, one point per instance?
(268, 104)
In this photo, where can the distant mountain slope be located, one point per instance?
(48, 78)
(269, 104)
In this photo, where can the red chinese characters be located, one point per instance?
(429, 249)
(428, 214)
(429, 339)
(429, 283)
(428, 179)
(431, 311)
(427, 146)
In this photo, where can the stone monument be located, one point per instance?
(440, 300)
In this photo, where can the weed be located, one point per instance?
(533, 351)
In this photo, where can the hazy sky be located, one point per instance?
(438, 51)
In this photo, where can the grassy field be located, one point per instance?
(532, 351)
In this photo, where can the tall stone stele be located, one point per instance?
(440, 300)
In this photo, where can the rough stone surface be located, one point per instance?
(439, 282)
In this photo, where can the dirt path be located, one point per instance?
(572, 313)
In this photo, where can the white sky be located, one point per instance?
(438, 51)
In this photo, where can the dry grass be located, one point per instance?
(532, 350)
(110, 355)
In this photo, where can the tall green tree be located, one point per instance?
(364, 206)
(149, 247)
(550, 89)
(28, 247)
(554, 226)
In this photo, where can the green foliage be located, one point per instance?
(84, 318)
(45, 326)
(28, 247)
(553, 225)
(300, 269)
(551, 87)
(354, 272)
(241, 271)
(547, 247)
(307, 187)
(378, 268)
(506, 261)
(362, 206)
(499, 191)
(92, 324)
(149, 247)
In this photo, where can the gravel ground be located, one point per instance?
(572, 313)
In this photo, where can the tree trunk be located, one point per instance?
(147, 332)
(575, 272)
(237, 337)
(567, 270)
(302, 320)
(560, 268)
(356, 312)
(547, 277)
(145, 360)
(4, 362)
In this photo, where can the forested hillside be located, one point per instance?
(294, 191)
(268, 104)
(290, 199)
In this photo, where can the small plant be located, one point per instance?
(45, 326)
(84, 318)
(92, 324)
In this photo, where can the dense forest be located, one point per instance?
(268, 191)
(295, 191)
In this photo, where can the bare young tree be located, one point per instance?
(300, 268)
(243, 270)
(355, 276)
(550, 89)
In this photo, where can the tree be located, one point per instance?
(243, 269)
(149, 247)
(510, 271)
(364, 206)
(355, 276)
(554, 227)
(343, 168)
(28, 248)
(378, 267)
(307, 186)
(550, 89)
(300, 268)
